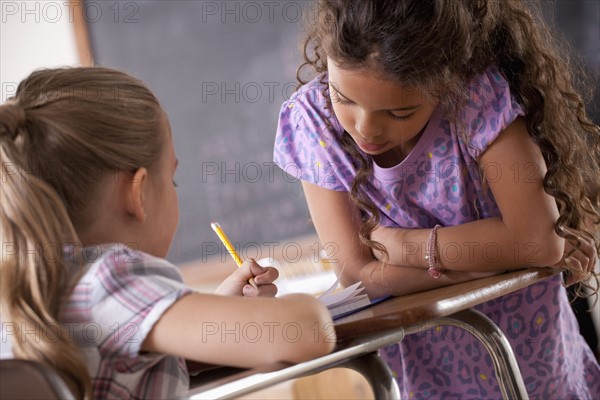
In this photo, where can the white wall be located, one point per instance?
(34, 34)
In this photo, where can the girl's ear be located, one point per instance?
(134, 197)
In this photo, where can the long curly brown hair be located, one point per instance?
(443, 44)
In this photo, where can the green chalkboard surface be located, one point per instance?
(221, 70)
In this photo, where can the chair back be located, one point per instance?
(26, 379)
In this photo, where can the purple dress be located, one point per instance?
(439, 182)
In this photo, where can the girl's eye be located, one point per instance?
(175, 183)
(336, 98)
(339, 100)
(400, 117)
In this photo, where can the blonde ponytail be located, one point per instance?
(32, 283)
(52, 133)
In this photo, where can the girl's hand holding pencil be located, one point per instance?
(250, 279)
(237, 283)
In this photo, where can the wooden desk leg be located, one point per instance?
(377, 373)
(507, 370)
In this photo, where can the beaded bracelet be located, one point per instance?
(435, 270)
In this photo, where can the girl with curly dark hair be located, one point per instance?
(444, 140)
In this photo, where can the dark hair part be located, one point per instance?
(61, 135)
(440, 45)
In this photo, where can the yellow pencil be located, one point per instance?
(219, 231)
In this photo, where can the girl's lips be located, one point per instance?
(371, 147)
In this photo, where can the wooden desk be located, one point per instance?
(360, 336)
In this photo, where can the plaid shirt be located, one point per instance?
(111, 310)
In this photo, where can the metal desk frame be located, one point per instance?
(360, 353)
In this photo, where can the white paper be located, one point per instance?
(333, 298)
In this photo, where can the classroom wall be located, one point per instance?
(34, 34)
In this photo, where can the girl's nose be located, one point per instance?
(367, 126)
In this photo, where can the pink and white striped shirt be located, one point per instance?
(114, 305)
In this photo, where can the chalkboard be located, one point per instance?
(221, 70)
(578, 23)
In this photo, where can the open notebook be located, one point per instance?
(344, 300)
(318, 278)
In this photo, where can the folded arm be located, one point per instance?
(523, 236)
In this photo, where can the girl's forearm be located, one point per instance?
(484, 245)
(381, 279)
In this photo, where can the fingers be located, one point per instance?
(576, 272)
(263, 275)
(263, 278)
(581, 261)
(269, 290)
(586, 255)
(591, 256)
